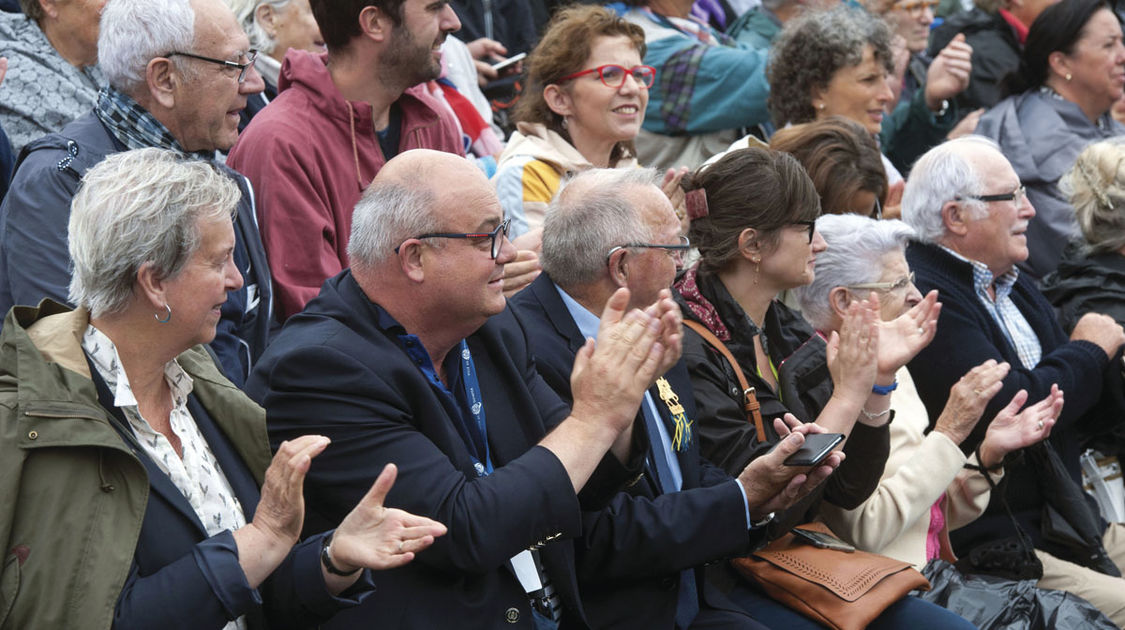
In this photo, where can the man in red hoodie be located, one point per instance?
(337, 119)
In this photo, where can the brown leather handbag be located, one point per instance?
(845, 590)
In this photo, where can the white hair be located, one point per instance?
(247, 13)
(137, 207)
(133, 32)
(855, 245)
(940, 175)
(589, 216)
(387, 214)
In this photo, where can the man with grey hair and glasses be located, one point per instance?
(970, 215)
(179, 73)
(614, 228)
(412, 356)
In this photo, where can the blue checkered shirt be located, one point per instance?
(1003, 310)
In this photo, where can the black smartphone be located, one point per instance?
(822, 540)
(817, 446)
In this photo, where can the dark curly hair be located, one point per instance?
(565, 46)
(811, 49)
(748, 188)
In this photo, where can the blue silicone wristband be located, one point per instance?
(883, 390)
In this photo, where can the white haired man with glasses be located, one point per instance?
(970, 216)
(411, 356)
(613, 228)
(179, 73)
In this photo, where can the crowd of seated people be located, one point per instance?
(335, 313)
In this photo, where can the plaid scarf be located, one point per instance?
(135, 127)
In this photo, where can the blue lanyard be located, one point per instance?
(476, 408)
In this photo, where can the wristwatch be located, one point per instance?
(326, 559)
(766, 520)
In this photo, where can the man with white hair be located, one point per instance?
(179, 73)
(337, 119)
(970, 215)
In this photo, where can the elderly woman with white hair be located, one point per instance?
(928, 485)
(138, 482)
(274, 26)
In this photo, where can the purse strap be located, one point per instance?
(749, 394)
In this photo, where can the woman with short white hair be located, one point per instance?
(929, 486)
(144, 510)
(274, 26)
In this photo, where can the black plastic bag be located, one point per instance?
(993, 603)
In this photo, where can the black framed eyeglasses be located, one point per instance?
(1017, 195)
(243, 68)
(810, 225)
(498, 235)
(676, 251)
(889, 287)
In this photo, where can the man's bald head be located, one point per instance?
(411, 195)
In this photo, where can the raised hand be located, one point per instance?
(521, 272)
(852, 355)
(949, 72)
(374, 536)
(671, 319)
(904, 336)
(968, 397)
(265, 541)
(1011, 431)
(609, 378)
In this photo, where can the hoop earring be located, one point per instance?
(167, 318)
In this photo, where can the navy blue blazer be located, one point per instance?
(337, 369)
(631, 553)
(183, 579)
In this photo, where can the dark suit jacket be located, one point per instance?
(178, 567)
(631, 553)
(337, 369)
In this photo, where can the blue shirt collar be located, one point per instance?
(587, 322)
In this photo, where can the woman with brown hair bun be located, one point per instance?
(583, 105)
(754, 221)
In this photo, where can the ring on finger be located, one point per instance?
(400, 545)
(1040, 425)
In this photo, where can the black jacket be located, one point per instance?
(996, 54)
(730, 441)
(1087, 284)
(632, 554)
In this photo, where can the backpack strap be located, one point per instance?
(749, 395)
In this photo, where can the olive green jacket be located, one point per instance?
(72, 494)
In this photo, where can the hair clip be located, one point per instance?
(1094, 186)
(696, 202)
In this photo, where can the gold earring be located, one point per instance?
(757, 268)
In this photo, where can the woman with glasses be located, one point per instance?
(928, 486)
(1073, 71)
(753, 221)
(582, 107)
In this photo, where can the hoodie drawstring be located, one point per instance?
(355, 147)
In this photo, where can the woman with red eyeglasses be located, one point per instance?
(583, 104)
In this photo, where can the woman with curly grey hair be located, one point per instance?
(837, 62)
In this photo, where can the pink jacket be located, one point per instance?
(310, 154)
